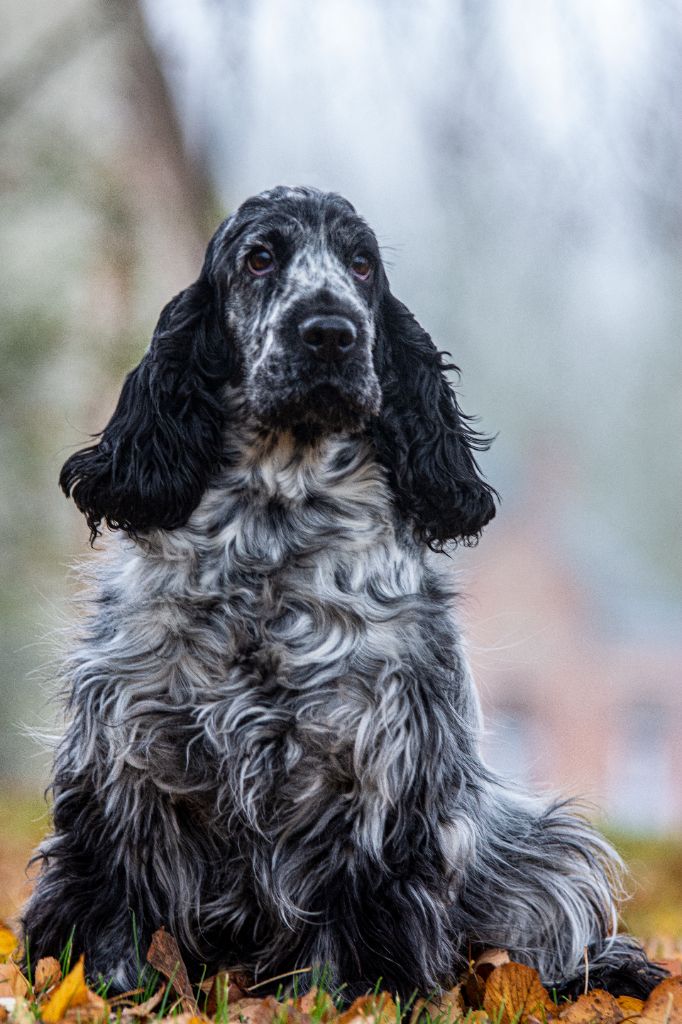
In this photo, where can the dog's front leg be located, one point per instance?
(82, 900)
(113, 871)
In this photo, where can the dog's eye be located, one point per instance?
(260, 261)
(361, 266)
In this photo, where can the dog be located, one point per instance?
(272, 745)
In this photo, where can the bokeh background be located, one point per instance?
(521, 162)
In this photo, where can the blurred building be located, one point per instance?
(581, 696)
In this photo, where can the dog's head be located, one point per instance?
(297, 272)
(293, 309)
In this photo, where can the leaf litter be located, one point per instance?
(494, 990)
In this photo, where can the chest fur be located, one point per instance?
(269, 653)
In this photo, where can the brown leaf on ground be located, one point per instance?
(223, 989)
(255, 1011)
(318, 1002)
(479, 972)
(595, 1007)
(12, 981)
(8, 940)
(629, 1005)
(664, 1005)
(144, 1009)
(4, 1014)
(165, 957)
(446, 1007)
(485, 964)
(95, 1011)
(71, 992)
(47, 973)
(370, 1010)
(514, 992)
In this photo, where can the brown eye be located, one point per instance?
(260, 261)
(361, 266)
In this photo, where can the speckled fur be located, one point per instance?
(272, 744)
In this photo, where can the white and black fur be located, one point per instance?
(273, 736)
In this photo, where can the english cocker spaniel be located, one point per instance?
(273, 734)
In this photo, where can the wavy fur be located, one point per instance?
(272, 744)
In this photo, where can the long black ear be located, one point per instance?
(164, 440)
(423, 439)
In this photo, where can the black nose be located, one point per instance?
(328, 337)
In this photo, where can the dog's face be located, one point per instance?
(299, 274)
(293, 310)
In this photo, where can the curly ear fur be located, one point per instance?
(424, 440)
(164, 439)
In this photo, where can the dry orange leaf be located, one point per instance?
(370, 1010)
(629, 1005)
(8, 941)
(514, 992)
(479, 971)
(12, 981)
(595, 1007)
(664, 1005)
(47, 973)
(71, 992)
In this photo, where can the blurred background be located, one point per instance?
(521, 163)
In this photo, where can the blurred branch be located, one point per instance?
(47, 55)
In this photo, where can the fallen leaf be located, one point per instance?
(12, 981)
(446, 1007)
(255, 1011)
(144, 1009)
(595, 1007)
(4, 1014)
(479, 971)
(8, 941)
(71, 992)
(664, 1005)
(47, 973)
(629, 1005)
(223, 990)
(489, 959)
(370, 1010)
(165, 957)
(514, 992)
(96, 1009)
(316, 1002)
